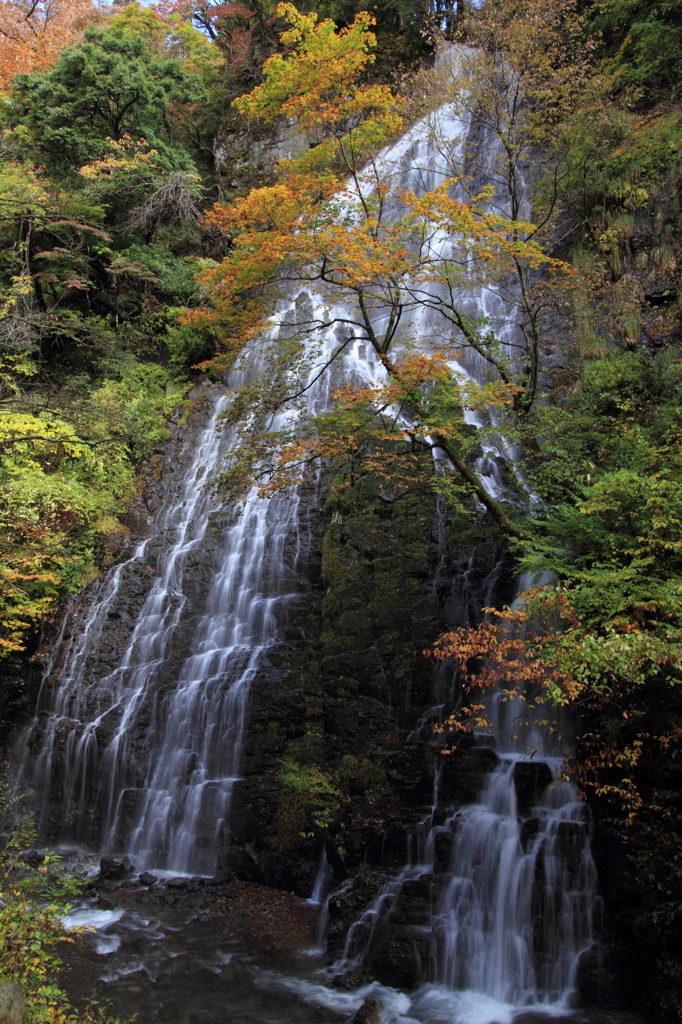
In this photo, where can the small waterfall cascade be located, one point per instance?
(517, 907)
(145, 757)
(507, 889)
(320, 898)
(516, 912)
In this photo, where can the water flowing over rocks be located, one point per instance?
(221, 653)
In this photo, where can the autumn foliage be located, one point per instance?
(541, 653)
(339, 219)
(33, 34)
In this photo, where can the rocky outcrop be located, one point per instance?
(13, 1009)
(531, 779)
(345, 703)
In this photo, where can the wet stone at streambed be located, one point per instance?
(277, 919)
(190, 951)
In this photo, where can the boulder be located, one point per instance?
(147, 879)
(177, 883)
(442, 842)
(570, 840)
(114, 868)
(465, 772)
(396, 962)
(529, 831)
(13, 1008)
(416, 888)
(531, 779)
(107, 901)
(368, 1013)
(364, 890)
(391, 847)
(594, 982)
(33, 858)
(409, 773)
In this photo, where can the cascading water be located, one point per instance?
(320, 899)
(145, 757)
(516, 912)
(169, 808)
(513, 914)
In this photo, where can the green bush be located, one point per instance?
(32, 903)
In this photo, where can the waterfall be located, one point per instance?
(144, 758)
(513, 914)
(171, 734)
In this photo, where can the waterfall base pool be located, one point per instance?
(244, 958)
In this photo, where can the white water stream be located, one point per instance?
(154, 746)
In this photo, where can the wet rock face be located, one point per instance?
(397, 962)
(474, 578)
(341, 693)
(595, 983)
(465, 771)
(529, 831)
(135, 577)
(411, 776)
(369, 1012)
(339, 748)
(17, 675)
(346, 695)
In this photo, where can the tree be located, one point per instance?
(340, 219)
(643, 42)
(545, 654)
(32, 34)
(140, 192)
(110, 86)
(48, 235)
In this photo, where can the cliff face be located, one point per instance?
(353, 696)
(339, 757)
